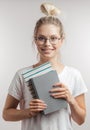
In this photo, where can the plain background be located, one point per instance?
(17, 21)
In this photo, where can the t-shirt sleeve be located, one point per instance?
(15, 88)
(80, 86)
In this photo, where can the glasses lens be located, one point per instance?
(52, 39)
(41, 39)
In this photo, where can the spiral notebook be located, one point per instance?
(40, 80)
(40, 87)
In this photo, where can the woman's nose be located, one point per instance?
(47, 42)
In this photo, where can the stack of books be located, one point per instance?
(41, 80)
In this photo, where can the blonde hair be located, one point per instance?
(50, 11)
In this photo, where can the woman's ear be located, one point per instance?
(62, 39)
(34, 39)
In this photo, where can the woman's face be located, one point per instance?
(48, 41)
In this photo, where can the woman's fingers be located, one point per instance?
(57, 89)
(60, 90)
(37, 101)
(59, 95)
(37, 105)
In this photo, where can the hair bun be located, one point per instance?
(49, 9)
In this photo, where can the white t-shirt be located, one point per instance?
(59, 120)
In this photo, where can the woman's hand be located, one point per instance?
(77, 104)
(37, 105)
(61, 91)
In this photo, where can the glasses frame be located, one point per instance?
(44, 40)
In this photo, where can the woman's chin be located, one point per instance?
(47, 56)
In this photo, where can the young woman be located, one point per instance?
(48, 37)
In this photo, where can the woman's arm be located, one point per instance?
(11, 113)
(77, 104)
(78, 109)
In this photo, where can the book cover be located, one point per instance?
(40, 87)
(33, 72)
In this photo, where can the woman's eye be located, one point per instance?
(41, 38)
(53, 38)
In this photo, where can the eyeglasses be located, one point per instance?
(42, 39)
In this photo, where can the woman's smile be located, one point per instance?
(47, 50)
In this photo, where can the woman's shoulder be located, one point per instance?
(72, 70)
(24, 69)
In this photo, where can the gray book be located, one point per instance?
(40, 87)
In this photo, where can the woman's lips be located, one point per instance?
(47, 50)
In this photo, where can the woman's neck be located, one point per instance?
(56, 65)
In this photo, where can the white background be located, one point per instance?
(17, 21)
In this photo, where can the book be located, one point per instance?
(40, 87)
(33, 72)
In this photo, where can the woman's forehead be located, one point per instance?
(48, 29)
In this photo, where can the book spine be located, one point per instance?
(32, 89)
